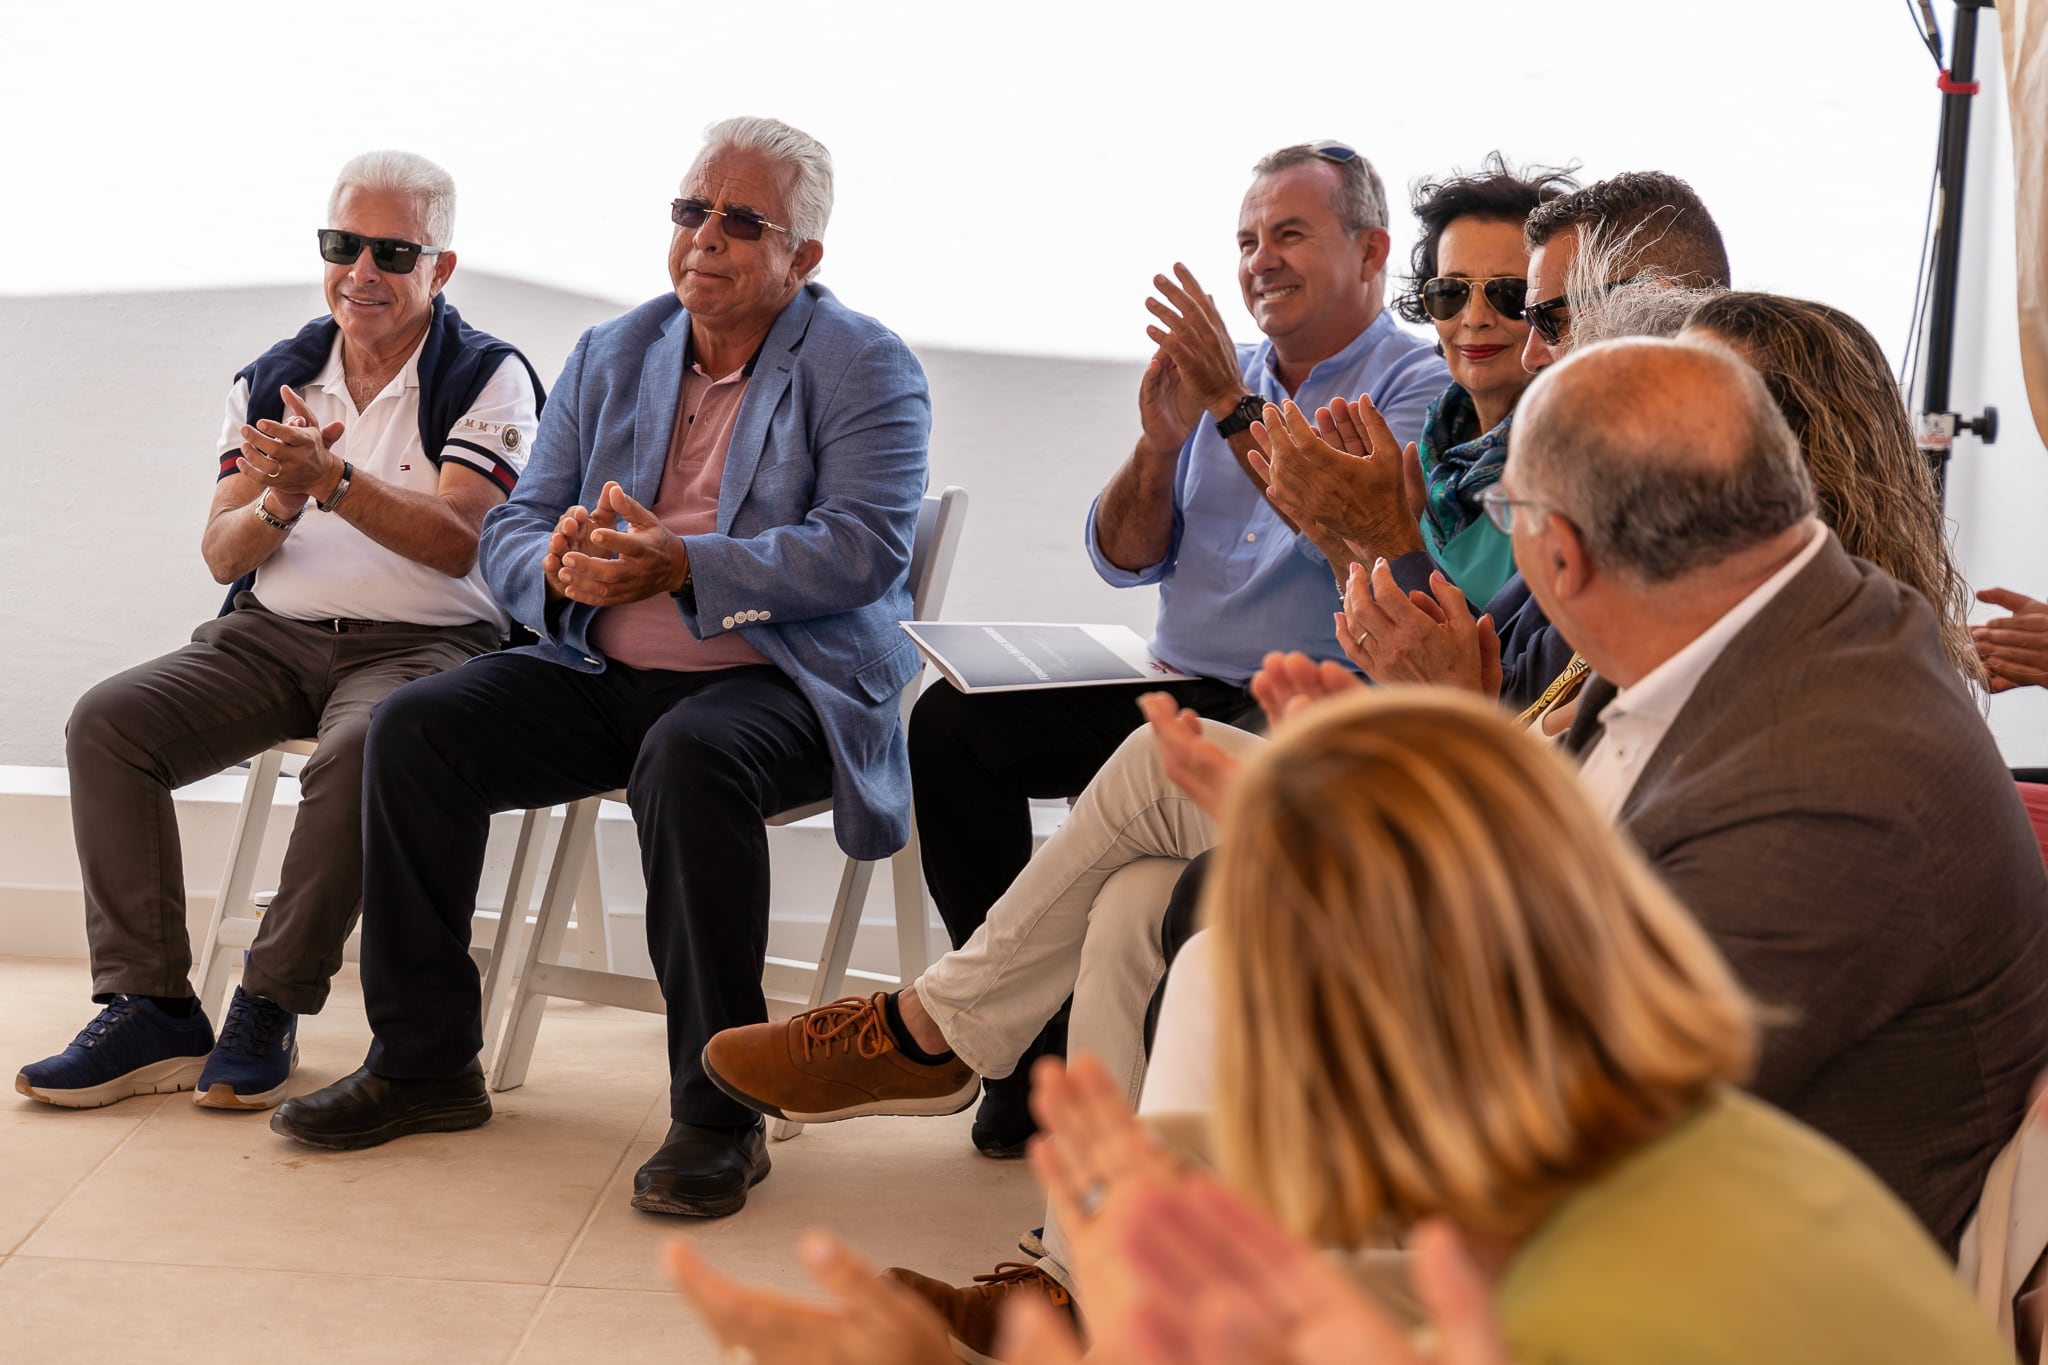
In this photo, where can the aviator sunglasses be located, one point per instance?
(1445, 296)
(739, 223)
(392, 255)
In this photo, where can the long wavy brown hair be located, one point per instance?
(1832, 380)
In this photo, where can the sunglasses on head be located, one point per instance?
(739, 223)
(1329, 149)
(1445, 296)
(392, 255)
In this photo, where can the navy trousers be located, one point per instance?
(704, 758)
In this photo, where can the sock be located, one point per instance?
(179, 1007)
(894, 1015)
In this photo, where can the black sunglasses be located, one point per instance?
(1445, 296)
(739, 223)
(1329, 149)
(392, 255)
(1552, 316)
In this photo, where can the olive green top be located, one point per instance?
(1739, 1237)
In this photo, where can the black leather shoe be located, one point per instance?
(702, 1172)
(363, 1109)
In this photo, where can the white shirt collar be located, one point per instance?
(334, 379)
(1662, 693)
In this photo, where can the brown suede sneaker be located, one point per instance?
(838, 1061)
(973, 1312)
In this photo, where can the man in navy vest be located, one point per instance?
(357, 461)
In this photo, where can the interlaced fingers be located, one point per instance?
(852, 1023)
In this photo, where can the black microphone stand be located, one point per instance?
(1938, 425)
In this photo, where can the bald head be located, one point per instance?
(1667, 456)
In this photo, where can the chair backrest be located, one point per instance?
(939, 520)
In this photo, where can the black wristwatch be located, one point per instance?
(1250, 408)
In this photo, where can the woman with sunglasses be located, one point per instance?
(1468, 270)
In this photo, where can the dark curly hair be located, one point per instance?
(1668, 230)
(1498, 193)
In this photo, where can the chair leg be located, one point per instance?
(515, 1051)
(505, 944)
(913, 950)
(238, 875)
(833, 955)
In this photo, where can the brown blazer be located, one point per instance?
(1832, 807)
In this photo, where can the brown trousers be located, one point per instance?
(249, 680)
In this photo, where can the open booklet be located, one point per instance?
(1011, 656)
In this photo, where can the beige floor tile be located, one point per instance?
(61, 1311)
(618, 1327)
(504, 1202)
(904, 1191)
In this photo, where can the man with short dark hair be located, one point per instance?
(355, 467)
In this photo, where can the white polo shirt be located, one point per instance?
(1636, 720)
(328, 568)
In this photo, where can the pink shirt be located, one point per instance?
(650, 633)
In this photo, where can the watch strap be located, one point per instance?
(348, 472)
(1249, 409)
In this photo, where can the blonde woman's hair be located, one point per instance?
(1450, 987)
(1831, 379)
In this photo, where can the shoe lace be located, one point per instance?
(852, 1023)
(251, 1023)
(1009, 1276)
(116, 1011)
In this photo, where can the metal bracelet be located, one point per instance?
(268, 518)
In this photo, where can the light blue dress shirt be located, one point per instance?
(1236, 582)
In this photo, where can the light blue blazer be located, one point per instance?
(816, 516)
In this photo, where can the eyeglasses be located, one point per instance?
(1552, 316)
(1500, 508)
(1445, 296)
(392, 255)
(1329, 149)
(739, 223)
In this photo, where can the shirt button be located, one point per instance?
(1250, 536)
(728, 623)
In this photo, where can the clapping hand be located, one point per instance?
(1347, 475)
(1195, 368)
(613, 566)
(2014, 648)
(1414, 637)
(292, 458)
(1192, 761)
(865, 1320)
(1285, 683)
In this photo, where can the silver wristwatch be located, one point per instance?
(269, 518)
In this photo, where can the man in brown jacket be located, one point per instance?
(1776, 726)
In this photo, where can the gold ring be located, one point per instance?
(1364, 639)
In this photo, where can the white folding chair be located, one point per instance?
(931, 563)
(232, 927)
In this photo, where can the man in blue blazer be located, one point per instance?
(712, 540)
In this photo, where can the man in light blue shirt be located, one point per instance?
(1186, 511)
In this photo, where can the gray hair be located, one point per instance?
(810, 168)
(431, 189)
(1361, 199)
(1613, 297)
(1630, 453)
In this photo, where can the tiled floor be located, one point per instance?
(155, 1230)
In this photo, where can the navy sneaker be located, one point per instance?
(257, 1052)
(132, 1048)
